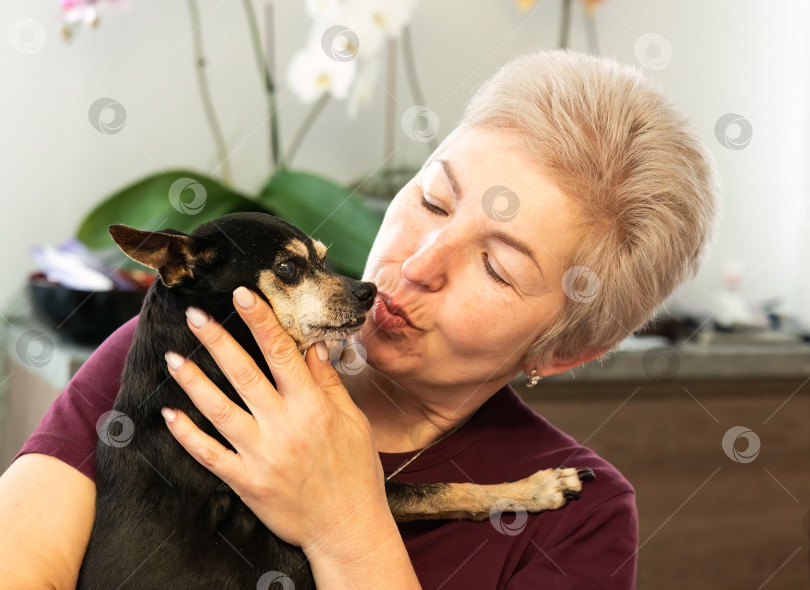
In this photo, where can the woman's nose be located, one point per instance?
(427, 266)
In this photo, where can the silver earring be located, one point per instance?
(533, 379)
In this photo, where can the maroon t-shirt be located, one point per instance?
(589, 544)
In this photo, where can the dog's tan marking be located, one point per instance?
(280, 297)
(536, 493)
(298, 248)
(310, 304)
(320, 249)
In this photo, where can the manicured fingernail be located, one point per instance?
(174, 360)
(322, 351)
(196, 316)
(244, 297)
(168, 414)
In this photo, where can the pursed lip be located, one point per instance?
(395, 309)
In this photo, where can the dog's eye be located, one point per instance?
(287, 270)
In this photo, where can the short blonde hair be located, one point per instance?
(642, 182)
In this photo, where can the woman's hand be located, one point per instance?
(305, 461)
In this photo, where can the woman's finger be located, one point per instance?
(238, 366)
(228, 418)
(279, 349)
(219, 460)
(327, 378)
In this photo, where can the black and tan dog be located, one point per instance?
(163, 520)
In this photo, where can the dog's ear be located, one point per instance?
(170, 252)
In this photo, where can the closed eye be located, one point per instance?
(433, 208)
(491, 271)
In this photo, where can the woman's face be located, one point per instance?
(469, 265)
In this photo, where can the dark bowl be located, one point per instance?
(83, 317)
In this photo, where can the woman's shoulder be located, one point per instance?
(520, 442)
(594, 537)
(68, 429)
(531, 440)
(508, 440)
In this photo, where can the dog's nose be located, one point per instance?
(365, 292)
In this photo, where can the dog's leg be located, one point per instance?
(548, 489)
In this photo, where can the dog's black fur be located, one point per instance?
(163, 520)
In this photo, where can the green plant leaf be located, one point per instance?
(156, 202)
(326, 211)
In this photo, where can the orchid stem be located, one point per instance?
(265, 73)
(389, 129)
(565, 23)
(590, 29)
(305, 126)
(410, 75)
(205, 95)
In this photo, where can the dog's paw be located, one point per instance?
(550, 489)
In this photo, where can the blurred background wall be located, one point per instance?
(659, 413)
(727, 56)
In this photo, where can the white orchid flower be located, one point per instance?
(319, 9)
(76, 12)
(350, 36)
(387, 15)
(312, 74)
(351, 33)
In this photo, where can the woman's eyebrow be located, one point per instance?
(503, 237)
(448, 171)
(518, 245)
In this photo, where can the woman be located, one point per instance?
(567, 205)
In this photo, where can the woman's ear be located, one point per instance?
(560, 366)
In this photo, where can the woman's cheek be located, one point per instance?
(497, 319)
(398, 226)
(388, 244)
(468, 326)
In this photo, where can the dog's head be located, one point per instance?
(265, 254)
